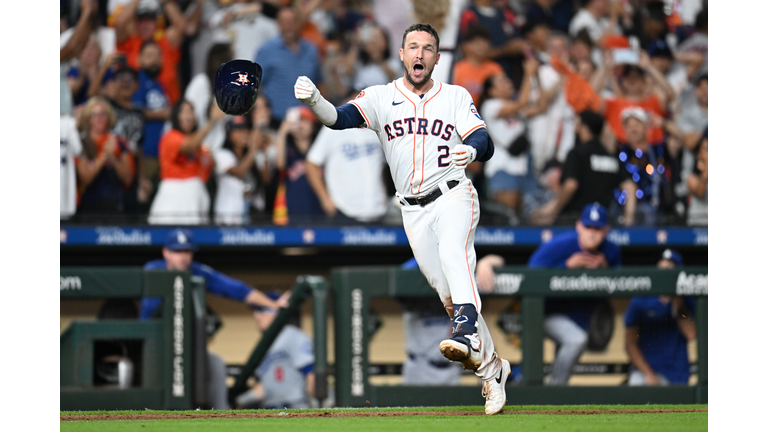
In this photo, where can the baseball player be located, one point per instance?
(178, 254)
(658, 329)
(286, 374)
(430, 131)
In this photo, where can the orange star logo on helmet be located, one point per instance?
(243, 78)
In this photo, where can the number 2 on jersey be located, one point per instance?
(444, 153)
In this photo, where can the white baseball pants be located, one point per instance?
(442, 238)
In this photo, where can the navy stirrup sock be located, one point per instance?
(464, 320)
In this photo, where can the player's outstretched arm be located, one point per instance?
(345, 117)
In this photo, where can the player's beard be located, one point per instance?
(425, 78)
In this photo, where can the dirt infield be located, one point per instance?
(277, 414)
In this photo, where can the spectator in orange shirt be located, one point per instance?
(475, 68)
(636, 92)
(185, 164)
(137, 22)
(106, 169)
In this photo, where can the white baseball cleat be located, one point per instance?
(494, 392)
(463, 349)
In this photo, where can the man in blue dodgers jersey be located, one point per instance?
(177, 256)
(658, 329)
(567, 319)
(286, 375)
(430, 131)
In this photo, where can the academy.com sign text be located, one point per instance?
(609, 284)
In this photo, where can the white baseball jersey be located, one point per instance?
(353, 163)
(71, 147)
(418, 133)
(280, 372)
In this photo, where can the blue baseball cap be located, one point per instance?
(672, 255)
(594, 216)
(180, 239)
(659, 48)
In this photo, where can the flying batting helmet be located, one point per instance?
(236, 86)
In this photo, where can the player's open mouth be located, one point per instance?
(418, 69)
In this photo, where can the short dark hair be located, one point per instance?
(218, 54)
(700, 78)
(484, 95)
(593, 121)
(477, 31)
(584, 37)
(425, 28)
(531, 25)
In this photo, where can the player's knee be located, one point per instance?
(579, 341)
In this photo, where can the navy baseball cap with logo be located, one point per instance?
(594, 216)
(236, 86)
(180, 240)
(672, 255)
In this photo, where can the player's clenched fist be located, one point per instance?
(306, 91)
(463, 155)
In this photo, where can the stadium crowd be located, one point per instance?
(586, 101)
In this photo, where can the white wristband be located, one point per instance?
(325, 111)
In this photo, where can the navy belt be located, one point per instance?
(431, 196)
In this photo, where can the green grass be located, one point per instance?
(696, 421)
(454, 408)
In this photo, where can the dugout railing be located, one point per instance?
(171, 358)
(354, 287)
(171, 354)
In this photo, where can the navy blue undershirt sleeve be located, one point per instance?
(482, 142)
(347, 117)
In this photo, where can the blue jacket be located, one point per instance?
(554, 255)
(215, 283)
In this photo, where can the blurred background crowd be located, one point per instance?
(586, 101)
